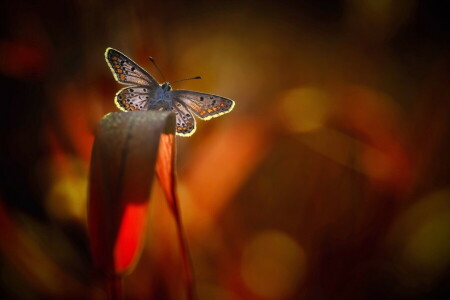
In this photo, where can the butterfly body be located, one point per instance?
(145, 93)
(161, 100)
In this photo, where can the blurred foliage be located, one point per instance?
(329, 180)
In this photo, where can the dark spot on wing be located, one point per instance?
(201, 98)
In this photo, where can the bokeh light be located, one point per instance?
(424, 232)
(305, 109)
(273, 265)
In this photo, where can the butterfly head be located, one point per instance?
(166, 86)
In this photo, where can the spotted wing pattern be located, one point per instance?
(185, 120)
(127, 71)
(205, 106)
(133, 98)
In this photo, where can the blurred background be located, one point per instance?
(329, 180)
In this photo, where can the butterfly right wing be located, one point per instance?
(205, 106)
(126, 71)
(133, 98)
(184, 119)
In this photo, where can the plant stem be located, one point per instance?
(114, 287)
(185, 256)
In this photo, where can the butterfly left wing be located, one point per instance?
(132, 98)
(185, 120)
(126, 71)
(205, 106)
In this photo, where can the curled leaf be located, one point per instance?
(121, 175)
(126, 150)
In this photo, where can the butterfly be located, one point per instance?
(145, 93)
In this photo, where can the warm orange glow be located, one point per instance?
(230, 156)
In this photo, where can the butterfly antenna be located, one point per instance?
(154, 63)
(198, 77)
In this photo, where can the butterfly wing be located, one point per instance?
(205, 106)
(185, 120)
(126, 71)
(133, 98)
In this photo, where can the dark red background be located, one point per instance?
(329, 180)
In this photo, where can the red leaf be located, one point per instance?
(165, 171)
